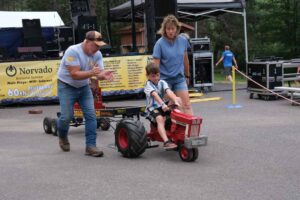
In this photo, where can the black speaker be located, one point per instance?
(200, 44)
(2, 53)
(65, 37)
(203, 73)
(165, 7)
(85, 24)
(162, 9)
(34, 41)
(79, 7)
(32, 34)
(31, 28)
(155, 11)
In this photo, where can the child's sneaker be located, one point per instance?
(169, 145)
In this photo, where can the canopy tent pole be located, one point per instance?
(246, 36)
(108, 23)
(196, 29)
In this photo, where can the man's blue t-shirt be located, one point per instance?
(227, 58)
(171, 55)
(75, 56)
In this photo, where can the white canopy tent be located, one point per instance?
(12, 19)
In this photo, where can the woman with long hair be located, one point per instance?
(170, 53)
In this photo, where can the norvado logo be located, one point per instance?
(11, 71)
(43, 70)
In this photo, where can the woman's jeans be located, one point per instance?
(68, 95)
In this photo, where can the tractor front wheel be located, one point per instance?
(195, 154)
(130, 138)
(188, 155)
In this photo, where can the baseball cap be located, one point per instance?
(96, 37)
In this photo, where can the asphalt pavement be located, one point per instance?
(253, 153)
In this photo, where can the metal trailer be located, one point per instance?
(104, 115)
(290, 70)
(267, 73)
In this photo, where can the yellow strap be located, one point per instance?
(205, 99)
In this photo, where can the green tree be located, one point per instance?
(12, 5)
(274, 28)
(61, 6)
(225, 29)
(101, 11)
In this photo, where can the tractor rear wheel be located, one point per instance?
(130, 138)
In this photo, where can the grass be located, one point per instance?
(220, 77)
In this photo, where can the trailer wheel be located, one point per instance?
(104, 123)
(79, 120)
(188, 155)
(273, 97)
(130, 138)
(251, 96)
(47, 125)
(266, 97)
(54, 127)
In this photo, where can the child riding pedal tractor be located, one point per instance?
(177, 131)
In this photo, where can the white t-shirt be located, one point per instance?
(160, 88)
(75, 56)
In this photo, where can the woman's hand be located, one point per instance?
(187, 79)
(178, 101)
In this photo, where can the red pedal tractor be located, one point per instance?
(183, 129)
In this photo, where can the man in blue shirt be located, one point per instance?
(227, 58)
